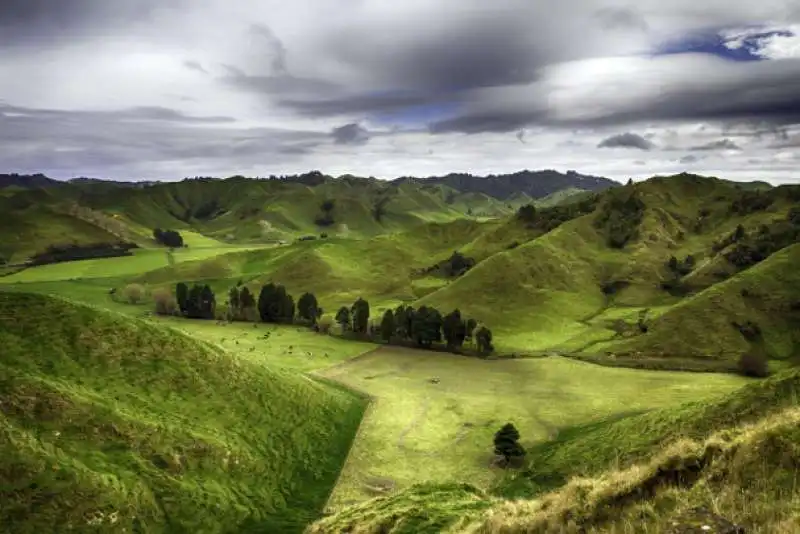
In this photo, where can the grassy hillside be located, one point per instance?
(737, 456)
(113, 424)
(766, 295)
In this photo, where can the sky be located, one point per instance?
(165, 89)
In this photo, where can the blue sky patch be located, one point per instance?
(714, 42)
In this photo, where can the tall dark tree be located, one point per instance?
(182, 296)
(343, 318)
(269, 303)
(506, 443)
(454, 329)
(426, 326)
(483, 338)
(275, 305)
(308, 308)
(387, 325)
(360, 312)
(234, 303)
(401, 329)
(207, 303)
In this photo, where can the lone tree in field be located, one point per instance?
(506, 444)
(360, 312)
(308, 308)
(343, 318)
(387, 325)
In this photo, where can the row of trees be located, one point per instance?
(424, 326)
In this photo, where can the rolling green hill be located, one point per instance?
(114, 424)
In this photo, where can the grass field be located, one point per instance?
(419, 431)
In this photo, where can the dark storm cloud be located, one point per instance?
(471, 52)
(722, 144)
(690, 158)
(626, 140)
(350, 134)
(47, 22)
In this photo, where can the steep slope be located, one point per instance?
(709, 323)
(737, 456)
(111, 423)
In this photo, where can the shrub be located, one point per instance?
(133, 293)
(324, 325)
(165, 302)
(754, 363)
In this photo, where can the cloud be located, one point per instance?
(722, 144)
(194, 65)
(626, 140)
(690, 158)
(350, 134)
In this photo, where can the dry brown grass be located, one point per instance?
(748, 474)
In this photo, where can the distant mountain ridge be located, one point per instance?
(535, 184)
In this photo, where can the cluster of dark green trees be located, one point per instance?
(168, 238)
(70, 252)
(273, 305)
(547, 219)
(197, 302)
(454, 266)
(621, 216)
(424, 326)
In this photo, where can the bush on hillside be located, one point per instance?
(326, 217)
(754, 363)
(168, 238)
(750, 330)
(613, 287)
(751, 202)
(133, 293)
(454, 266)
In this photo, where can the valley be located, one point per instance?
(625, 321)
